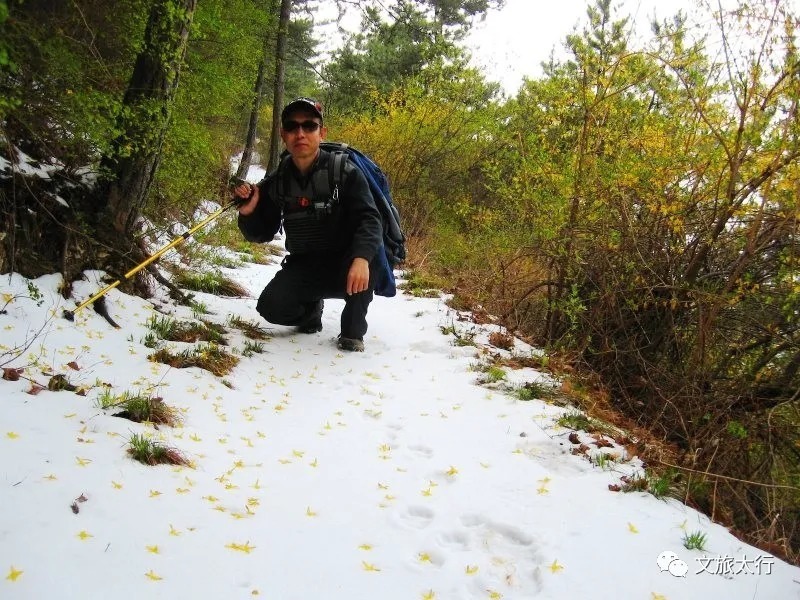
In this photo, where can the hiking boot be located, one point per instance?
(312, 323)
(350, 344)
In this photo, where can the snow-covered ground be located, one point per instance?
(317, 474)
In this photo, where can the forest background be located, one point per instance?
(633, 210)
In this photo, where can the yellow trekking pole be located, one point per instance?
(70, 314)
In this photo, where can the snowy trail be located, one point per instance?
(320, 475)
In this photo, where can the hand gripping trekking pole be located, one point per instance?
(70, 314)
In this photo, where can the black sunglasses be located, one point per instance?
(308, 126)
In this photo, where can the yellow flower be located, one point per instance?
(246, 547)
(13, 574)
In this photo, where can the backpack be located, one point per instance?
(393, 251)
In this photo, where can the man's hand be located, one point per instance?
(244, 191)
(358, 276)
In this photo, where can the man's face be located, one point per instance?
(302, 133)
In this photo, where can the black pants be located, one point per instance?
(305, 280)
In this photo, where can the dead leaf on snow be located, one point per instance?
(12, 374)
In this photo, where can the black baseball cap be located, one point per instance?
(303, 103)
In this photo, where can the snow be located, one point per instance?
(388, 474)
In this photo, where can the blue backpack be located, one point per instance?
(393, 251)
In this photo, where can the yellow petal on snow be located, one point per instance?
(152, 549)
(494, 595)
(632, 528)
(82, 461)
(555, 567)
(117, 486)
(369, 567)
(151, 575)
(366, 547)
(424, 557)
(452, 471)
(246, 547)
(154, 493)
(13, 574)
(654, 596)
(471, 570)
(310, 513)
(429, 595)
(84, 535)
(173, 531)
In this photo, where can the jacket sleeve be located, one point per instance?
(363, 216)
(265, 220)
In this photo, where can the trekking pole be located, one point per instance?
(70, 314)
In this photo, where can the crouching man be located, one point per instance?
(333, 231)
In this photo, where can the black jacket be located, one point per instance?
(352, 229)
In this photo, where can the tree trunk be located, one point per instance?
(144, 117)
(252, 128)
(280, 73)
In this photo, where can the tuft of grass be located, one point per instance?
(206, 356)
(199, 308)
(695, 540)
(140, 408)
(605, 461)
(162, 327)
(151, 339)
(210, 283)
(493, 374)
(660, 486)
(638, 483)
(533, 390)
(228, 262)
(184, 331)
(575, 420)
(465, 338)
(421, 285)
(248, 328)
(251, 348)
(150, 452)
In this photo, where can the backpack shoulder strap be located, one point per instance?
(336, 170)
